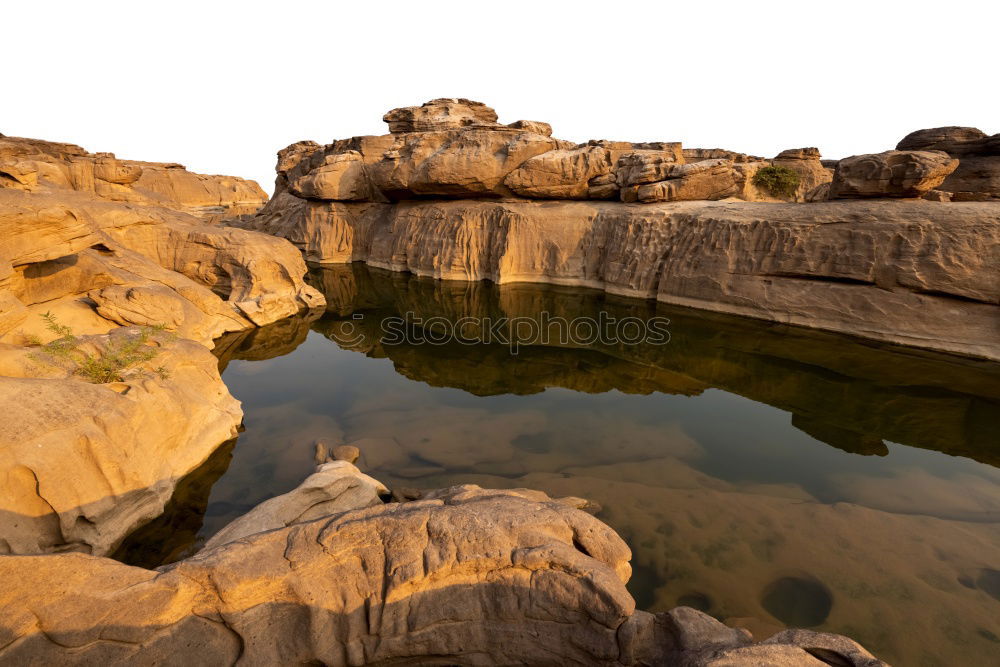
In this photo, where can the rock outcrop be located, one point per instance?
(891, 174)
(806, 163)
(977, 177)
(336, 486)
(90, 244)
(455, 148)
(465, 576)
(892, 272)
(82, 465)
(896, 271)
(40, 166)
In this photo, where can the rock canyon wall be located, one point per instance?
(452, 194)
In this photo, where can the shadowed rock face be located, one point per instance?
(891, 174)
(977, 177)
(466, 576)
(893, 271)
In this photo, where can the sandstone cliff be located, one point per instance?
(879, 264)
(89, 248)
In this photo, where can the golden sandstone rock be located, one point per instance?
(38, 165)
(892, 271)
(977, 177)
(85, 464)
(464, 575)
(891, 174)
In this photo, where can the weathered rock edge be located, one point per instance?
(913, 272)
(467, 576)
(99, 244)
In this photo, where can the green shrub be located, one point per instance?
(778, 181)
(119, 358)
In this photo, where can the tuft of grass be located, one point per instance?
(118, 359)
(778, 181)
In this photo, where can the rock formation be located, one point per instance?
(336, 486)
(34, 165)
(85, 464)
(92, 244)
(465, 576)
(892, 271)
(977, 177)
(890, 174)
(806, 163)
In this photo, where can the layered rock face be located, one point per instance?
(456, 148)
(83, 246)
(464, 576)
(891, 174)
(977, 177)
(40, 166)
(899, 272)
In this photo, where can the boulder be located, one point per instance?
(646, 166)
(115, 171)
(955, 141)
(807, 164)
(708, 179)
(463, 576)
(341, 177)
(534, 126)
(472, 162)
(977, 177)
(445, 113)
(566, 173)
(891, 174)
(82, 465)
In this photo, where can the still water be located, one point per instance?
(765, 474)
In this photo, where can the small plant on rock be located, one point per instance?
(118, 359)
(777, 181)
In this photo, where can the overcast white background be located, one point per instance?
(221, 86)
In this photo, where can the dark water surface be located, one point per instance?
(765, 474)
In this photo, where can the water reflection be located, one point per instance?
(765, 474)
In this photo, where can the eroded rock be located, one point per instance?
(890, 174)
(466, 575)
(977, 177)
(85, 464)
(444, 113)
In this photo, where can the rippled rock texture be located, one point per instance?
(901, 271)
(464, 576)
(100, 246)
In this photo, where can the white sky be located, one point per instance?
(221, 86)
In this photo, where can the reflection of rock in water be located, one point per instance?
(171, 536)
(850, 394)
(267, 342)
